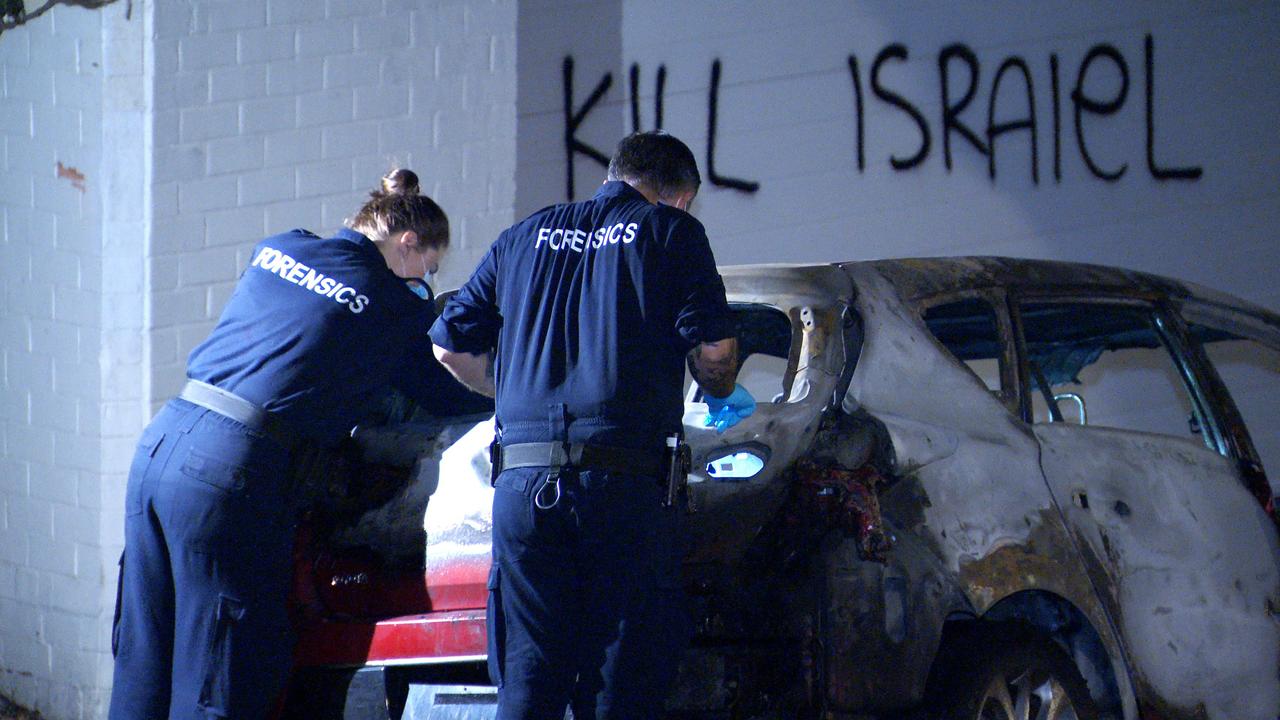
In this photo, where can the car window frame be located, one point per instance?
(1173, 336)
(997, 298)
(1236, 434)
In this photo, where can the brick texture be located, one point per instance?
(293, 111)
(51, 244)
(117, 256)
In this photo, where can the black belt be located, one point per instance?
(578, 455)
(228, 404)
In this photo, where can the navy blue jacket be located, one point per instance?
(593, 306)
(318, 330)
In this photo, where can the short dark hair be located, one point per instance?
(657, 161)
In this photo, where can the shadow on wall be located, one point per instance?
(14, 12)
(10, 711)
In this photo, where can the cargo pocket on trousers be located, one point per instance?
(115, 618)
(216, 689)
(496, 627)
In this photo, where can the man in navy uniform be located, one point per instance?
(590, 310)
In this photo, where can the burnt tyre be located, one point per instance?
(1015, 676)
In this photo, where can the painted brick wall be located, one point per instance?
(50, 322)
(285, 113)
(124, 402)
(258, 117)
(786, 119)
(197, 127)
(544, 44)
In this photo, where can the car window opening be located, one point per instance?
(1251, 372)
(968, 329)
(1105, 366)
(764, 348)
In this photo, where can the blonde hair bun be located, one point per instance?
(400, 182)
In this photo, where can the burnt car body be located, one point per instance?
(971, 485)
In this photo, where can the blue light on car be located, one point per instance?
(739, 465)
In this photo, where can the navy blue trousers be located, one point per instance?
(586, 607)
(203, 628)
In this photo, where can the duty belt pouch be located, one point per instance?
(677, 461)
(495, 459)
(306, 486)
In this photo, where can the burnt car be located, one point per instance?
(973, 488)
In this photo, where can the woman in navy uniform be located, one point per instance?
(316, 330)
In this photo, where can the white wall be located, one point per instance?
(282, 114)
(546, 40)
(786, 116)
(51, 273)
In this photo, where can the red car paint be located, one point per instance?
(352, 612)
(448, 636)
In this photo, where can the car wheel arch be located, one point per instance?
(1047, 615)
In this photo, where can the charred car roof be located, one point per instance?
(924, 277)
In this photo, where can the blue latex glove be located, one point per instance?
(724, 413)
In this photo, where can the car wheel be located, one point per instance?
(1023, 678)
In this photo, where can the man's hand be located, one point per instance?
(474, 371)
(723, 413)
(714, 366)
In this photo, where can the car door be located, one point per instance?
(928, 375)
(1182, 555)
(967, 502)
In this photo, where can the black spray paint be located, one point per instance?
(712, 108)
(659, 92)
(573, 119)
(899, 52)
(958, 90)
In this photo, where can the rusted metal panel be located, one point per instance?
(921, 277)
(881, 624)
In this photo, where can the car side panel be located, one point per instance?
(1190, 565)
(969, 479)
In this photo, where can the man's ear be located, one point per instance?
(683, 199)
(410, 239)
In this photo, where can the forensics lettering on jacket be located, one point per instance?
(284, 266)
(578, 240)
